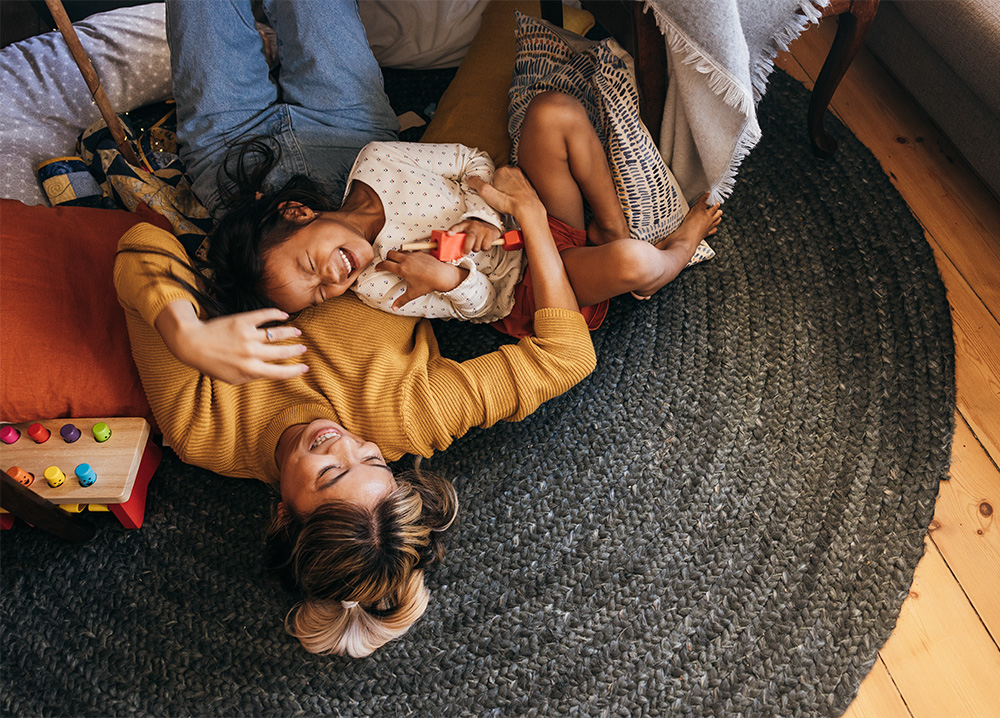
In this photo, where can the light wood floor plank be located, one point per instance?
(977, 355)
(878, 697)
(940, 656)
(966, 527)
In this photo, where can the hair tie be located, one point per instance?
(349, 604)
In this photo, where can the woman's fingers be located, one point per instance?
(275, 335)
(278, 371)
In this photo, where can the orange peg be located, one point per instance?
(20, 475)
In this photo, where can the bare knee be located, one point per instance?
(635, 264)
(555, 111)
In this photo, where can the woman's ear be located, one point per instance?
(296, 212)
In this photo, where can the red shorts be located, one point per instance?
(520, 322)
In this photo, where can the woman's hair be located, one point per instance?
(231, 278)
(360, 570)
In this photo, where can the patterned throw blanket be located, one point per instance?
(719, 56)
(101, 177)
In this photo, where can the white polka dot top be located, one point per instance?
(423, 188)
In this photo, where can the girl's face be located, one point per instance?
(318, 261)
(321, 461)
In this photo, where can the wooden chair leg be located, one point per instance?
(855, 17)
(638, 33)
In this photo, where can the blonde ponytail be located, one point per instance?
(327, 627)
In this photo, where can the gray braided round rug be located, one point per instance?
(722, 520)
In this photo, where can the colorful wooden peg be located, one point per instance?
(38, 433)
(55, 476)
(20, 475)
(8, 434)
(102, 432)
(69, 433)
(85, 475)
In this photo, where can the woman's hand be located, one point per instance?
(510, 192)
(422, 273)
(232, 348)
(479, 235)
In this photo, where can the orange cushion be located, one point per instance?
(64, 347)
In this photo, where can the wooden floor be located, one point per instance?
(943, 658)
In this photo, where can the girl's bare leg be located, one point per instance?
(630, 265)
(561, 155)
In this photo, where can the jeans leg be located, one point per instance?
(327, 66)
(221, 83)
(332, 88)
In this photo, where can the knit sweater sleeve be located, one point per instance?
(208, 422)
(512, 382)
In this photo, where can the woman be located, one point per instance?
(352, 538)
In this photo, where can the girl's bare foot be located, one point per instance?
(701, 221)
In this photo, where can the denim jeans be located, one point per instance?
(328, 101)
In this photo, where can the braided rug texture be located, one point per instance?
(722, 520)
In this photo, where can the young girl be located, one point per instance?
(400, 192)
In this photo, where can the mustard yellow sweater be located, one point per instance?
(379, 375)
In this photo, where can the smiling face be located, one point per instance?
(318, 261)
(322, 461)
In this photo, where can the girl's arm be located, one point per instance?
(510, 383)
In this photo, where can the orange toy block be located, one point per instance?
(449, 246)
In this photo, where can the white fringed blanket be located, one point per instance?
(719, 56)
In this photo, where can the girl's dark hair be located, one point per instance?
(373, 558)
(231, 276)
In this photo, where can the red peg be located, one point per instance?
(513, 239)
(38, 433)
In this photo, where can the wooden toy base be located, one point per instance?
(124, 465)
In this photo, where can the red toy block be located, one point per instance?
(449, 246)
(131, 512)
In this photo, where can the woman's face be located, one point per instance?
(322, 461)
(318, 261)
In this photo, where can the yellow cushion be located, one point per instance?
(473, 110)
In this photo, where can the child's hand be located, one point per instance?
(479, 235)
(422, 274)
